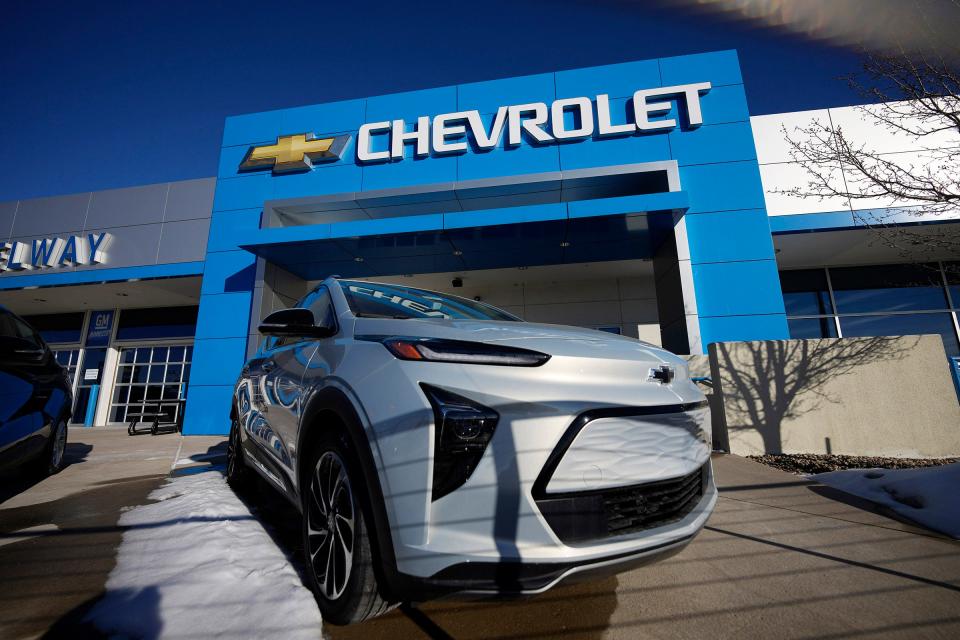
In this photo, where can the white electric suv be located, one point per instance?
(438, 445)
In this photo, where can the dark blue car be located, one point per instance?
(35, 400)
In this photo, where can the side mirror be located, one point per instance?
(296, 323)
(20, 350)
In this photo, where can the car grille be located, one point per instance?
(651, 505)
(595, 515)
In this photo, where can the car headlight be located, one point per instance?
(463, 429)
(460, 351)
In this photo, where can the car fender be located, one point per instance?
(335, 398)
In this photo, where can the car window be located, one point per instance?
(25, 331)
(13, 327)
(7, 328)
(371, 299)
(320, 304)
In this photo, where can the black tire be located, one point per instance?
(53, 458)
(239, 475)
(357, 597)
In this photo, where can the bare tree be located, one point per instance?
(916, 96)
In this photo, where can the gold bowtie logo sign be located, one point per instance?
(294, 153)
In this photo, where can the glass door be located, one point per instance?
(150, 374)
(90, 374)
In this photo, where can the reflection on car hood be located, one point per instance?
(558, 340)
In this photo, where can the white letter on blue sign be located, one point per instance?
(485, 141)
(604, 126)
(585, 109)
(530, 125)
(420, 135)
(364, 154)
(442, 129)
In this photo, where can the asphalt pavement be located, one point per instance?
(780, 558)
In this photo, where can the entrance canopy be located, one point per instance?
(576, 216)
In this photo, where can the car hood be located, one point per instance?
(556, 340)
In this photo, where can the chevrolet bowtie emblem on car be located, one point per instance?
(664, 374)
(296, 152)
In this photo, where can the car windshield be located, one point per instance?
(374, 300)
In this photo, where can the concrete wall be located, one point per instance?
(884, 396)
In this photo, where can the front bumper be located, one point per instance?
(491, 535)
(528, 578)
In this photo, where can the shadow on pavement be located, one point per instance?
(49, 574)
(15, 482)
(550, 616)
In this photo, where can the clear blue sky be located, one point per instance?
(96, 95)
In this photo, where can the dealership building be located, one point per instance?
(638, 198)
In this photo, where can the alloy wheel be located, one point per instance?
(330, 517)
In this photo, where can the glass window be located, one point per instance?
(58, 327)
(374, 300)
(152, 324)
(810, 328)
(952, 271)
(888, 288)
(805, 292)
(147, 375)
(907, 324)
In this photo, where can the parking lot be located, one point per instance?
(780, 558)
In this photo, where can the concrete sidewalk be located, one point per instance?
(58, 537)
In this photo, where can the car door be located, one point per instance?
(281, 370)
(31, 390)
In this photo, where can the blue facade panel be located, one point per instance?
(719, 67)
(723, 236)
(227, 228)
(228, 272)
(739, 328)
(615, 80)
(217, 361)
(208, 410)
(410, 105)
(713, 143)
(724, 186)
(487, 97)
(224, 315)
(737, 288)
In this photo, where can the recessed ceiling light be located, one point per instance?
(358, 259)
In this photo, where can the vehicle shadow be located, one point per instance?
(15, 482)
(553, 614)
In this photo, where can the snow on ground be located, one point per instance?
(198, 564)
(928, 496)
